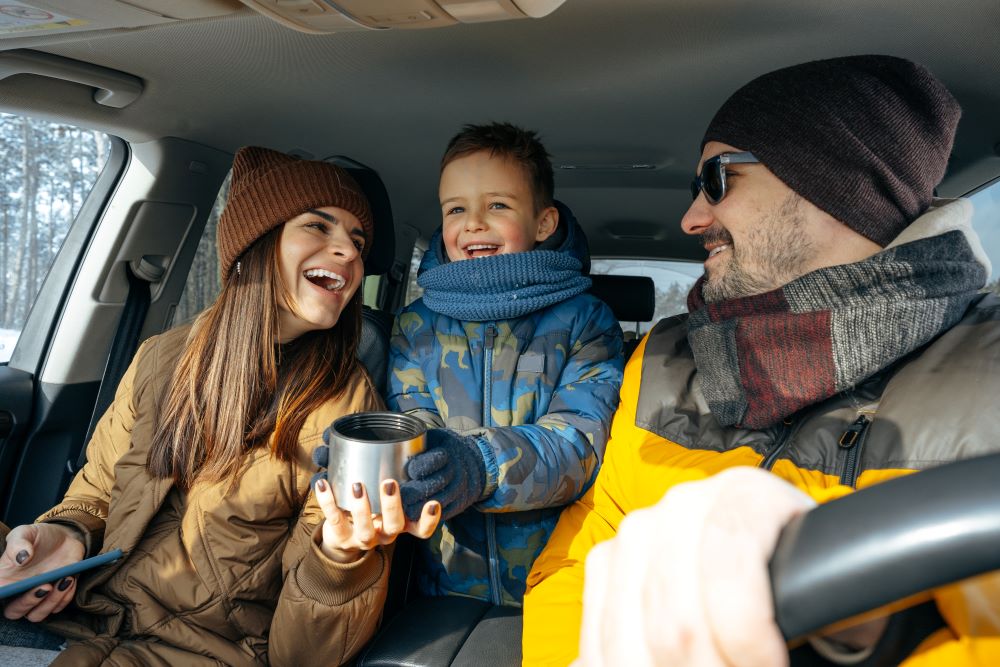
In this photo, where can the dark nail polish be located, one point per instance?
(41, 592)
(21, 556)
(64, 584)
(321, 485)
(357, 490)
(389, 488)
(434, 509)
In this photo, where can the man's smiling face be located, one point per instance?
(762, 235)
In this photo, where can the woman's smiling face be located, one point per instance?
(320, 264)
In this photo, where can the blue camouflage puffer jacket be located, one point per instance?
(541, 389)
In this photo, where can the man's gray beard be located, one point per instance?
(774, 253)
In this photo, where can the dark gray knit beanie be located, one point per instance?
(864, 138)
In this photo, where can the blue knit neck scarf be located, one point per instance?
(502, 287)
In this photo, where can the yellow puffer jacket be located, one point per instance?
(211, 576)
(937, 408)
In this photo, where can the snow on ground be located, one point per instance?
(8, 338)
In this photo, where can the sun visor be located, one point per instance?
(326, 16)
(54, 20)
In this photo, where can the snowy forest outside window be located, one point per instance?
(203, 281)
(46, 172)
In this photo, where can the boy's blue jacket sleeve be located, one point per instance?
(409, 390)
(553, 388)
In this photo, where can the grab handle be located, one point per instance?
(114, 89)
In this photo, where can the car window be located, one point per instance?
(413, 290)
(203, 282)
(46, 172)
(673, 281)
(986, 222)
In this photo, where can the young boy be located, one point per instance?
(513, 366)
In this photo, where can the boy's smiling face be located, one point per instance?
(488, 208)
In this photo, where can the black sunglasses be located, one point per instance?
(712, 180)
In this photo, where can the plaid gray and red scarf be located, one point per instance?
(763, 358)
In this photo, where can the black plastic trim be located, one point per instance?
(6, 423)
(59, 422)
(16, 391)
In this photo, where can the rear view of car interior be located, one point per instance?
(119, 121)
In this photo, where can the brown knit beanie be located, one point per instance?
(864, 138)
(269, 188)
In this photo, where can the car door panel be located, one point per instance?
(154, 206)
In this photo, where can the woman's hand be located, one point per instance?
(347, 535)
(34, 549)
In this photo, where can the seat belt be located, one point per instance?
(140, 274)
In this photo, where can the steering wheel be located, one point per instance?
(885, 543)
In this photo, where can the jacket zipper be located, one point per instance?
(852, 442)
(491, 536)
(781, 439)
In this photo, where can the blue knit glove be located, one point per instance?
(321, 455)
(452, 471)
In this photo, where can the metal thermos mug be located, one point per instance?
(369, 447)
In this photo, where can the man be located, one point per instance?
(837, 340)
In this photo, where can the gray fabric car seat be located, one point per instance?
(376, 325)
(373, 347)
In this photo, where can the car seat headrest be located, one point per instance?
(384, 243)
(631, 298)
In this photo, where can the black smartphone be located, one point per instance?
(25, 585)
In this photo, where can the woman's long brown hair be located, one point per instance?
(234, 386)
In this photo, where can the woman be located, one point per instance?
(200, 469)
